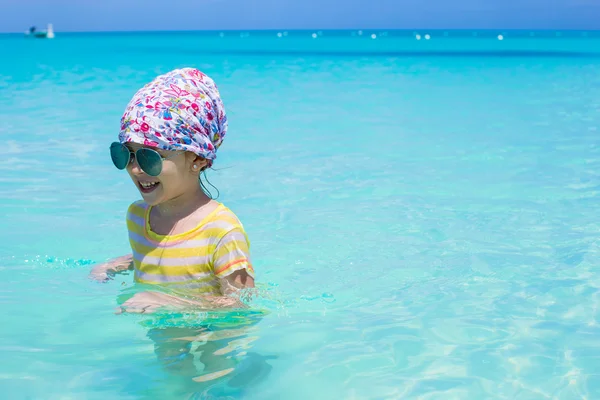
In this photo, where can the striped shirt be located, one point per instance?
(194, 259)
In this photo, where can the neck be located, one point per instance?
(183, 205)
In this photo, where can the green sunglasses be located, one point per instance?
(149, 160)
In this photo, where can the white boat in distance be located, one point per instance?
(47, 34)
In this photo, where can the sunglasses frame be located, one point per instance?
(136, 154)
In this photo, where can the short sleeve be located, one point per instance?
(232, 253)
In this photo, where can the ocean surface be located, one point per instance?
(424, 217)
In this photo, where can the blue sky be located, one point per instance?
(127, 15)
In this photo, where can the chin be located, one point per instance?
(152, 199)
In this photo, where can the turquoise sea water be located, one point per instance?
(423, 217)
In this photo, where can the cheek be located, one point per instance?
(171, 174)
(130, 173)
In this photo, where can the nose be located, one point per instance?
(134, 166)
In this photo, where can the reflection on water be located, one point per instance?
(209, 351)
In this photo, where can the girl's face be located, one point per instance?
(179, 176)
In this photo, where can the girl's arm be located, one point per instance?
(103, 272)
(231, 284)
(150, 301)
(235, 281)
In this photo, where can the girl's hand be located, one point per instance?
(146, 303)
(104, 272)
(223, 302)
(99, 275)
(149, 302)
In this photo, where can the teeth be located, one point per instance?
(147, 185)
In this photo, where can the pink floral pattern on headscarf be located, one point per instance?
(180, 110)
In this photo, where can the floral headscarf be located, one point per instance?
(180, 110)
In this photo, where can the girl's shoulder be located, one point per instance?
(137, 206)
(225, 218)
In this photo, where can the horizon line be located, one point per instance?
(317, 30)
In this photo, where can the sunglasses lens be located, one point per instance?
(120, 155)
(149, 161)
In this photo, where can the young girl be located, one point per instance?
(193, 247)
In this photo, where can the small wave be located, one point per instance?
(43, 261)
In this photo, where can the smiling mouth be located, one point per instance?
(147, 187)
